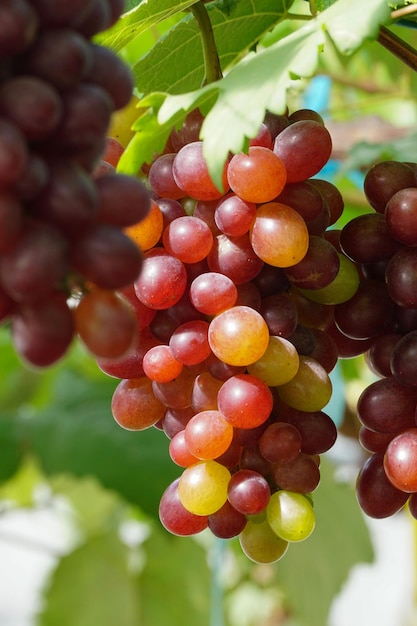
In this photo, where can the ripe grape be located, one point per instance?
(202, 487)
(258, 176)
(290, 515)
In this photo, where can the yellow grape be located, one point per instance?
(238, 336)
(310, 389)
(147, 233)
(279, 363)
(261, 544)
(202, 488)
(290, 515)
(279, 235)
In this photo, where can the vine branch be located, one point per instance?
(398, 47)
(212, 66)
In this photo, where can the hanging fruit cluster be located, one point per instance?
(61, 229)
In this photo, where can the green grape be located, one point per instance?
(290, 515)
(279, 363)
(310, 389)
(202, 488)
(261, 544)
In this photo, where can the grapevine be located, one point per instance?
(221, 304)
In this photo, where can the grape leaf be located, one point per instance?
(339, 541)
(176, 65)
(260, 81)
(76, 434)
(178, 565)
(135, 22)
(92, 585)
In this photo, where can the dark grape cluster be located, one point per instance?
(382, 316)
(233, 354)
(62, 220)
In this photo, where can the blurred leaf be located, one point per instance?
(92, 586)
(339, 541)
(176, 568)
(140, 18)
(11, 452)
(76, 434)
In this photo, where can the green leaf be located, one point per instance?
(92, 585)
(260, 81)
(76, 434)
(176, 65)
(11, 452)
(178, 566)
(135, 22)
(339, 541)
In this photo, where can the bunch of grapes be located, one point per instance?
(62, 220)
(382, 316)
(234, 302)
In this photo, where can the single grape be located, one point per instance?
(258, 176)
(134, 405)
(376, 495)
(290, 515)
(387, 406)
(238, 336)
(188, 238)
(208, 435)
(248, 492)
(310, 389)
(261, 544)
(279, 235)
(304, 147)
(159, 364)
(162, 280)
(202, 487)
(245, 401)
(280, 443)
(227, 522)
(191, 173)
(105, 323)
(279, 363)
(175, 518)
(403, 360)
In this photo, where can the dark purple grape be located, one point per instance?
(401, 216)
(36, 264)
(304, 198)
(69, 200)
(366, 239)
(18, 26)
(42, 331)
(227, 522)
(387, 406)
(32, 105)
(303, 340)
(280, 442)
(377, 497)
(318, 268)
(301, 475)
(110, 73)
(401, 277)
(373, 441)
(61, 12)
(405, 320)
(85, 119)
(331, 196)
(304, 147)
(33, 179)
(60, 56)
(275, 123)
(248, 492)
(13, 153)
(107, 257)
(271, 281)
(280, 314)
(378, 357)
(318, 431)
(384, 179)
(404, 360)
(122, 200)
(367, 314)
(97, 19)
(11, 220)
(189, 132)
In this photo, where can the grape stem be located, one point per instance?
(212, 66)
(398, 47)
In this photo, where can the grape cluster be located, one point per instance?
(62, 220)
(382, 317)
(233, 356)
